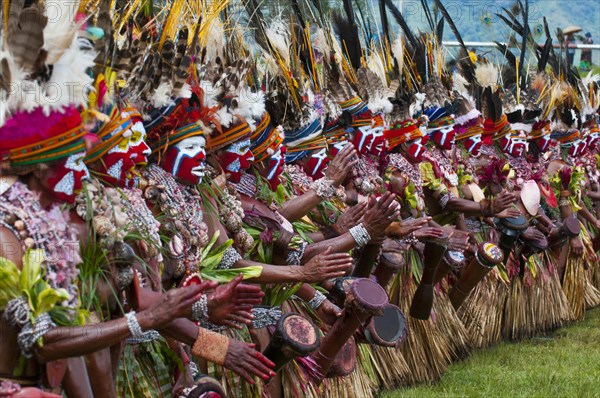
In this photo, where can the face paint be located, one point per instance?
(473, 144)
(337, 148)
(275, 168)
(236, 159)
(416, 148)
(577, 148)
(513, 146)
(316, 163)
(444, 137)
(592, 140)
(117, 166)
(65, 178)
(542, 143)
(369, 140)
(378, 145)
(363, 137)
(186, 160)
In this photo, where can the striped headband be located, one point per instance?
(112, 132)
(355, 106)
(265, 138)
(228, 136)
(469, 129)
(402, 132)
(45, 139)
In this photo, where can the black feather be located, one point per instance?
(544, 54)
(400, 20)
(439, 31)
(511, 24)
(348, 33)
(525, 11)
(512, 61)
(385, 25)
(465, 63)
(427, 10)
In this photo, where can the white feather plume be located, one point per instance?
(487, 75)
(279, 36)
(224, 116)
(321, 44)
(398, 52)
(61, 27)
(162, 95)
(215, 43)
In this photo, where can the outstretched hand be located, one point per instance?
(503, 201)
(350, 218)
(328, 312)
(231, 304)
(340, 166)
(245, 361)
(176, 303)
(326, 265)
(404, 228)
(380, 214)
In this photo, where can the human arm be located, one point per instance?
(69, 341)
(335, 174)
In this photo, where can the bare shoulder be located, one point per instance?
(10, 246)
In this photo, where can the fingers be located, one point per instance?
(242, 373)
(248, 289)
(336, 269)
(336, 258)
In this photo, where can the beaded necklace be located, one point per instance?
(48, 230)
(142, 220)
(434, 155)
(300, 180)
(413, 172)
(366, 175)
(182, 207)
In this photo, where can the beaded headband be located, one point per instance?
(303, 134)
(498, 128)
(300, 151)
(355, 106)
(566, 137)
(539, 129)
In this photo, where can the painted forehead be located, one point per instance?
(240, 147)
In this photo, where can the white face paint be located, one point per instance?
(320, 158)
(276, 160)
(193, 148)
(378, 141)
(445, 133)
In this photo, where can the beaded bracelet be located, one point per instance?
(133, 325)
(360, 234)
(230, 257)
(200, 309)
(317, 300)
(324, 188)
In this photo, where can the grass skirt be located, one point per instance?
(144, 370)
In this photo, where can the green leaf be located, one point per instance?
(31, 271)
(226, 275)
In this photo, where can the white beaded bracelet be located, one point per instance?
(133, 325)
(200, 309)
(317, 300)
(361, 235)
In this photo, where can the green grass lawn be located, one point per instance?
(564, 364)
